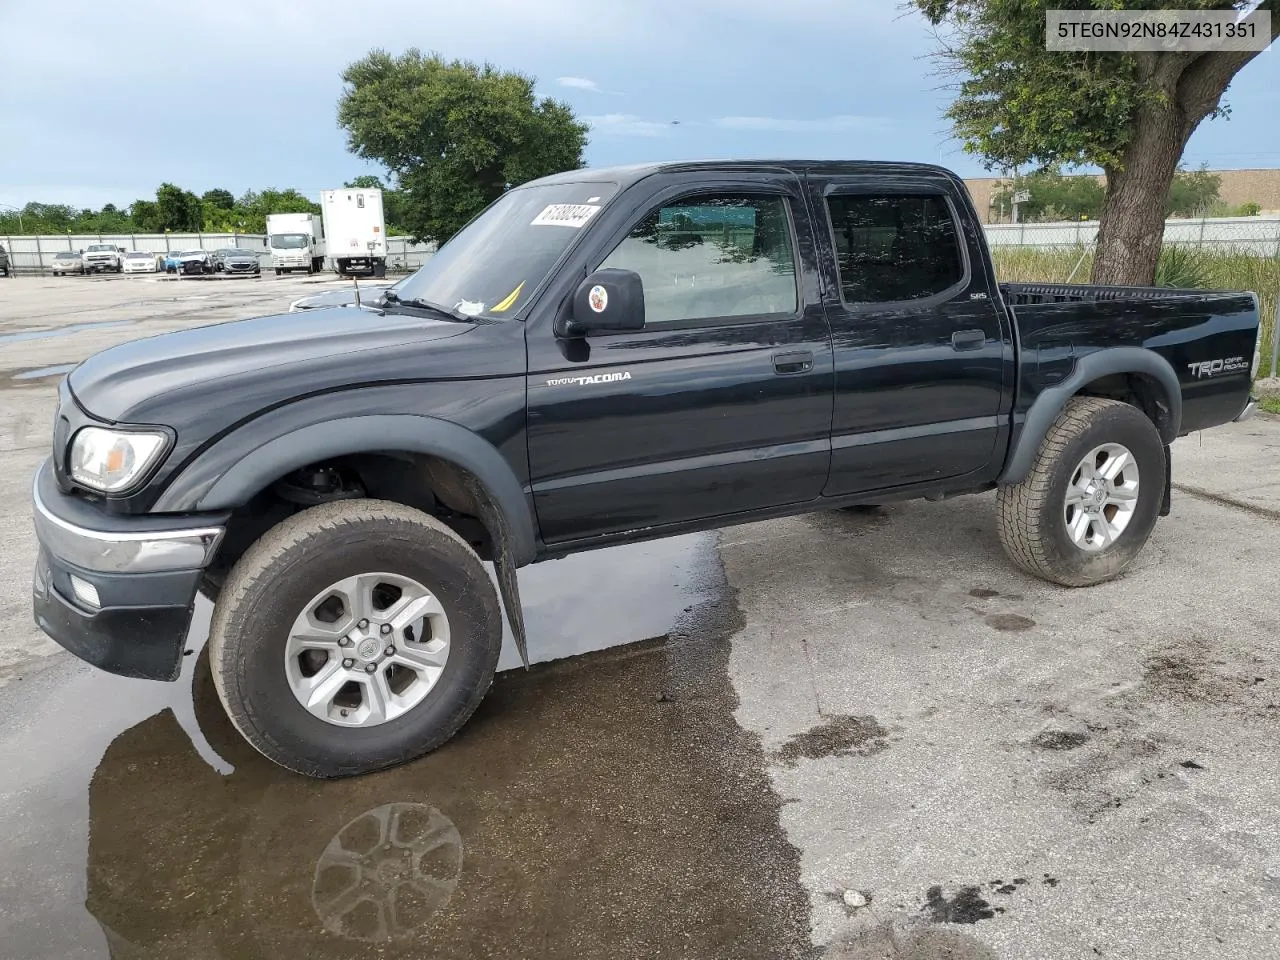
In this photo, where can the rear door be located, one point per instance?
(921, 349)
(722, 403)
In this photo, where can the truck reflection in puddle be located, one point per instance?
(602, 806)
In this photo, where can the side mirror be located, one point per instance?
(608, 300)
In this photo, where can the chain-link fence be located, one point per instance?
(1259, 236)
(32, 255)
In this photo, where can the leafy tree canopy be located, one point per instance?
(453, 134)
(1130, 113)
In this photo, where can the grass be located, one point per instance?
(1179, 267)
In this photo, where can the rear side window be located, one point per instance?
(891, 248)
(712, 255)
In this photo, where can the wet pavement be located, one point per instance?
(600, 806)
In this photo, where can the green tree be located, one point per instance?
(219, 199)
(1192, 194)
(253, 208)
(145, 216)
(454, 134)
(178, 210)
(1129, 113)
(1053, 196)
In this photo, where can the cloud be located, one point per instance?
(579, 83)
(627, 125)
(841, 123)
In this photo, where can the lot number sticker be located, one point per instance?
(565, 215)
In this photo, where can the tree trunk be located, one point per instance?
(1132, 222)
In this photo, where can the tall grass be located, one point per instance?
(1180, 266)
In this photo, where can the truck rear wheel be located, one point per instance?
(354, 636)
(1091, 498)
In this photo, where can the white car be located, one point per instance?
(140, 261)
(68, 261)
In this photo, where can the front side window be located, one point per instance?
(893, 248)
(712, 255)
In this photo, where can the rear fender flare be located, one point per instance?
(193, 491)
(1103, 363)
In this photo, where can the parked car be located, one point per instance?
(192, 262)
(69, 261)
(141, 261)
(5, 268)
(234, 260)
(553, 381)
(102, 258)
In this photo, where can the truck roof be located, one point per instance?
(626, 175)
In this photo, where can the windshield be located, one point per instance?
(100, 246)
(289, 241)
(67, 256)
(493, 265)
(139, 256)
(238, 253)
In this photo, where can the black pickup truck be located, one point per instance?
(600, 357)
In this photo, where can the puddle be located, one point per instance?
(26, 335)
(603, 806)
(53, 371)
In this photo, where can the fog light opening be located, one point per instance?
(85, 592)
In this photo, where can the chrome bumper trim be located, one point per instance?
(153, 551)
(1249, 410)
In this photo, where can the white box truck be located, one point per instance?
(296, 241)
(356, 231)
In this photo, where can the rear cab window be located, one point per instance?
(894, 247)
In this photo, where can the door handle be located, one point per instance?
(968, 339)
(797, 361)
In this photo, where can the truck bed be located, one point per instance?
(1209, 337)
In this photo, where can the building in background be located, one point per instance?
(1238, 187)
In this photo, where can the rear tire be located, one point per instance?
(291, 576)
(1069, 523)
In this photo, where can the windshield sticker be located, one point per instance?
(565, 215)
(509, 300)
(598, 298)
(469, 308)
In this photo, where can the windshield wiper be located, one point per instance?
(395, 299)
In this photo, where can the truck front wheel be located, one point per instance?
(354, 636)
(1091, 498)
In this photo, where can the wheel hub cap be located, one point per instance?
(367, 649)
(1101, 497)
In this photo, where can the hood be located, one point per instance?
(245, 366)
(370, 295)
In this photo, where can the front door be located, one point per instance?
(721, 404)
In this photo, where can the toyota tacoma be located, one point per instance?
(600, 357)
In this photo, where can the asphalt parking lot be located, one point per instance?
(846, 735)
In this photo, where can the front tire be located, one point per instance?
(354, 636)
(1091, 498)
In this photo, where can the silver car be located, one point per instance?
(69, 261)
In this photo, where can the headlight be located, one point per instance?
(111, 460)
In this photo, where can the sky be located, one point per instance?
(101, 102)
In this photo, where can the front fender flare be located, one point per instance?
(206, 484)
(1102, 363)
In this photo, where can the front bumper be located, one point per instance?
(117, 591)
(242, 268)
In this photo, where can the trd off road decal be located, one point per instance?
(596, 378)
(1212, 368)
